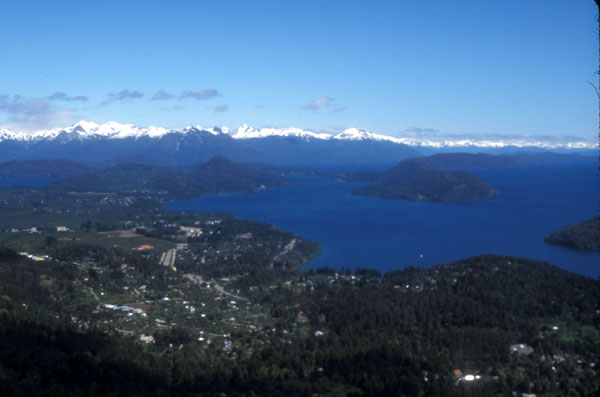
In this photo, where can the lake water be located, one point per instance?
(392, 234)
(33, 181)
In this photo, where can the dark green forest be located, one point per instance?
(400, 333)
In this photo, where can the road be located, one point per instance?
(198, 280)
(168, 258)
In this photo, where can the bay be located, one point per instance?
(392, 234)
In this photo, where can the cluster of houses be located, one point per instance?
(35, 257)
(125, 308)
(460, 376)
(191, 231)
(30, 230)
(521, 348)
(34, 229)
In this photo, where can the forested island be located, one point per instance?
(582, 235)
(415, 181)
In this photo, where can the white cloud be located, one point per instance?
(221, 108)
(162, 95)
(122, 96)
(321, 102)
(61, 96)
(200, 94)
(33, 114)
(419, 130)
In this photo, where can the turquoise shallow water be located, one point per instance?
(392, 234)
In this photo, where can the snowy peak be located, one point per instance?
(156, 132)
(6, 134)
(82, 127)
(200, 129)
(85, 129)
(353, 134)
(247, 132)
(357, 134)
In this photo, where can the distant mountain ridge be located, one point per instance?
(91, 142)
(114, 130)
(470, 161)
(218, 175)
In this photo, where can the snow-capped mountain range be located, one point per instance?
(113, 130)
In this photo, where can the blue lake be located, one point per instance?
(392, 234)
(33, 181)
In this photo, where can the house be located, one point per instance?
(147, 338)
(521, 348)
(34, 257)
(145, 247)
(191, 231)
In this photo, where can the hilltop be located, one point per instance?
(415, 181)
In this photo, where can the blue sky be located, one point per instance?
(392, 67)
